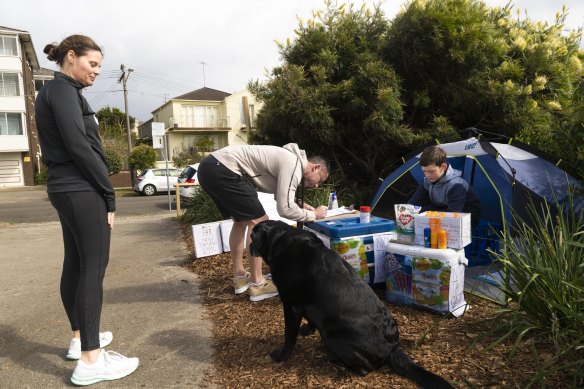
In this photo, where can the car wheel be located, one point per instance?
(149, 190)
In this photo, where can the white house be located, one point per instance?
(19, 146)
(216, 117)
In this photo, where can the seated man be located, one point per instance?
(443, 188)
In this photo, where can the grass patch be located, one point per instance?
(126, 193)
(543, 260)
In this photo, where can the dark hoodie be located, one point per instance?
(69, 139)
(451, 193)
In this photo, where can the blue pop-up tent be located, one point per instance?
(505, 176)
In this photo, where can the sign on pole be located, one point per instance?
(157, 135)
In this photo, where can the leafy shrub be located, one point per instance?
(320, 195)
(200, 208)
(142, 157)
(40, 178)
(186, 157)
(113, 161)
(544, 266)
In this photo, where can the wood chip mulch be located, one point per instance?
(244, 333)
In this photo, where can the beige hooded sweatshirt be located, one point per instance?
(272, 169)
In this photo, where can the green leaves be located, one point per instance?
(142, 157)
(543, 261)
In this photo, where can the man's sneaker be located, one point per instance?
(105, 338)
(108, 366)
(262, 292)
(242, 284)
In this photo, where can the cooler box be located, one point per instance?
(424, 277)
(353, 241)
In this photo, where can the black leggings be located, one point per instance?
(86, 236)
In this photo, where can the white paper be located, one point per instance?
(338, 211)
(379, 248)
(207, 239)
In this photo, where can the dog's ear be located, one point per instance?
(258, 239)
(276, 229)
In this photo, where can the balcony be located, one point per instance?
(13, 143)
(201, 124)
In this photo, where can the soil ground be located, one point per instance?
(245, 333)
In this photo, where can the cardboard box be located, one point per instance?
(353, 241)
(457, 228)
(428, 278)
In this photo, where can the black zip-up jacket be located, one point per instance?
(69, 139)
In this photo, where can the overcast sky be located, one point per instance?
(176, 46)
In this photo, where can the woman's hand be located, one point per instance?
(110, 219)
(308, 207)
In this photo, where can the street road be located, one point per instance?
(32, 205)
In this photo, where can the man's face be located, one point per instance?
(433, 172)
(314, 176)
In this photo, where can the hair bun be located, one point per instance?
(51, 51)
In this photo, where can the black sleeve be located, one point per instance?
(68, 113)
(420, 197)
(456, 198)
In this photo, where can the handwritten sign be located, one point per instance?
(207, 239)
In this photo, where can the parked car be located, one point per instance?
(152, 181)
(189, 176)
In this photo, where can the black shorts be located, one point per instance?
(234, 196)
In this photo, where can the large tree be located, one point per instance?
(112, 130)
(335, 95)
(364, 91)
(487, 68)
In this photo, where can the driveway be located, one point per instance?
(151, 304)
(32, 205)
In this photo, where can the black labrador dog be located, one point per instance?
(315, 283)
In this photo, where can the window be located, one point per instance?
(38, 83)
(8, 45)
(10, 123)
(199, 116)
(9, 84)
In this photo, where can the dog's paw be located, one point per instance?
(307, 329)
(280, 355)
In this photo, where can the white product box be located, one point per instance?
(457, 228)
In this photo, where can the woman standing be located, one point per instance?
(80, 191)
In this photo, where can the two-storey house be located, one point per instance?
(19, 145)
(204, 117)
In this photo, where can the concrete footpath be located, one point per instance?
(151, 305)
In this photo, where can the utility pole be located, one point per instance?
(204, 82)
(124, 79)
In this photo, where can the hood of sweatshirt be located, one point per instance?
(293, 148)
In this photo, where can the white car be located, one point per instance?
(152, 181)
(188, 176)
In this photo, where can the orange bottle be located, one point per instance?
(442, 239)
(434, 228)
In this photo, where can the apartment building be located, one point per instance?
(19, 145)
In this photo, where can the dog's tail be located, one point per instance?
(404, 366)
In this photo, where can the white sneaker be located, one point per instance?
(74, 353)
(108, 366)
